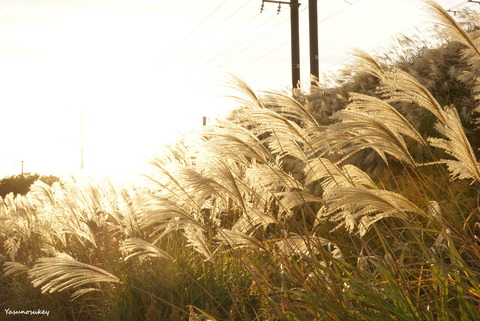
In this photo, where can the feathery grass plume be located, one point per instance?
(163, 215)
(369, 122)
(280, 132)
(64, 272)
(142, 249)
(271, 178)
(456, 144)
(358, 208)
(332, 176)
(283, 136)
(14, 268)
(88, 203)
(237, 239)
(290, 108)
(451, 27)
(252, 219)
(291, 199)
(384, 112)
(22, 230)
(195, 236)
(225, 175)
(366, 63)
(300, 245)
(231, 141)
(11, 246)
(398, 86)
(182, 182)
(249, 98)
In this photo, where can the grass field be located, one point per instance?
(358, 201)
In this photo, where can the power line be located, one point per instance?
(263, 36)
(230, 35)
(250, 41)
(452, 9)
(256, 39)
(379, 44)
(191, 32)
(209, 32)
(283, 44)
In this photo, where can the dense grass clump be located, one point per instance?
(362, 208)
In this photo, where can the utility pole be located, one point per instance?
(313, 27)
(295, 38)
(21, 165)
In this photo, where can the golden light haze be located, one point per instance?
(144, 71)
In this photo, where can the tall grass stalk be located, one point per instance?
(276, 213)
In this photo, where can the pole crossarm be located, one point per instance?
(295, 38)
(281, 2)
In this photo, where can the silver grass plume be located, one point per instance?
(142, 249)
(464, 165)
(366, 63)
(369, 122)
(14, 268)
(249, 97)
(283, 136)
(290, 108)
(229, 140)
(333, 176)
(451, 26)
(358, 208)
(196, 239)
(300, 245)
(64, 272)
(398, 86)
(237, 239)
(164, 215)
(252, 219)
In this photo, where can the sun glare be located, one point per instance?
(141, 72)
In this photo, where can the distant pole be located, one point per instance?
(295, 36)
(204, 121)
(81, 140)
(313, 26)
(21, 164)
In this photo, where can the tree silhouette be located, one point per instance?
(20, 184)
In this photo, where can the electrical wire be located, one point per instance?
(229, 36)
(378, 45)
(263, 36)
(283, 44)
(209, 32)
(458, 5)
(191, 32)
(256, 38)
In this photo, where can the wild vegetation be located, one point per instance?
(20, 184)
(358, 201)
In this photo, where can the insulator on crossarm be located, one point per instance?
(261, 7)
(279, 8)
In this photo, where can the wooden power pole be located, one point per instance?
(295, 38)
(313, 27)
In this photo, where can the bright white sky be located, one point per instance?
(143, 71)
